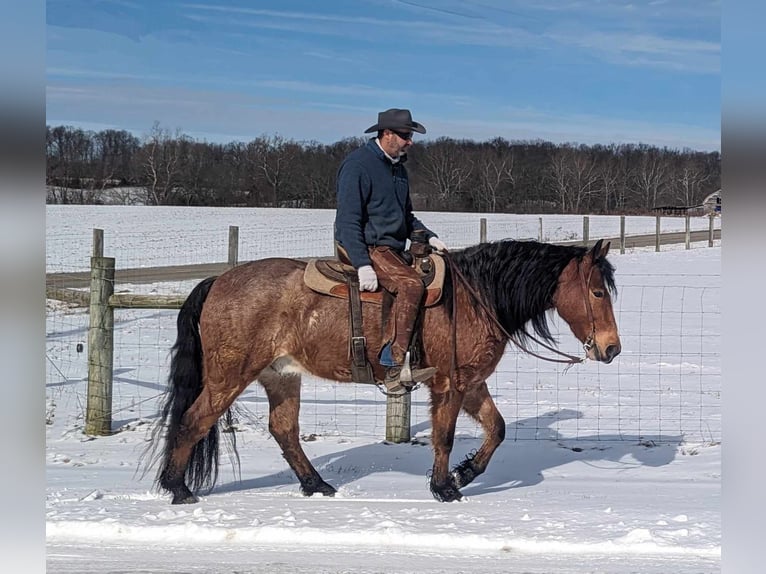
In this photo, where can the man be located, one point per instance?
(372, 224)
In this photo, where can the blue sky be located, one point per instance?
(586, 71)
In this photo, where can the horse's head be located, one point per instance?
(583, 300)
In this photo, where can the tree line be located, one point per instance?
(446, 174)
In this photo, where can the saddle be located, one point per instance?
(338, 278)
(328, 276)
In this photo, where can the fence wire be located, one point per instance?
(664, 387)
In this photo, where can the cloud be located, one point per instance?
(619, 33)
(688, 55)
(366, 28)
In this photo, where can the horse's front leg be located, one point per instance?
(478, 404)
(445, 406)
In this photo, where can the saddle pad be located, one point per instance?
(317, 281)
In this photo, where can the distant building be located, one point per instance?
(679, 210)
(712, 203)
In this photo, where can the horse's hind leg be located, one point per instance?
(284, 393)
(187, 458)
(478, 404)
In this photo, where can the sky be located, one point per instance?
(596, 71)
(604, 488)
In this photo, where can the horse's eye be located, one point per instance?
(598, 294)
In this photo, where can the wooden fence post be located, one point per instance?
(98, 411)
(711, 230)
(540, 232)
(233, 245)
(483, 230)
(398, 412)
(688, 235)
(657, 236)
(622, 234)
(98, 243)
(585, 230)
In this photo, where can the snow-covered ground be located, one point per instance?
(140, 236)
(624, 475)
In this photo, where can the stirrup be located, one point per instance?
(418, 375)
(404, 379)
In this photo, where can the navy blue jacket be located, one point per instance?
(374, 207)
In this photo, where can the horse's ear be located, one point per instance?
(595, 251)
(600, 250)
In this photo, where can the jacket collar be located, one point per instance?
(373, 144)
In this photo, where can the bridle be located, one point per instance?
(590, 340)
(568, 359)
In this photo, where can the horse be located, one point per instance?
(259, 322)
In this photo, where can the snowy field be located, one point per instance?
(140, 236)
(606, 468)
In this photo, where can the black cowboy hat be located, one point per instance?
(396, 120)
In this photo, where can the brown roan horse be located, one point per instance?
(258, 321)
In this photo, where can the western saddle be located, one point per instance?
(336, 277)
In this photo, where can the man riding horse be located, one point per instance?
(373, 221)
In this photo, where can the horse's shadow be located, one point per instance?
(515, 464)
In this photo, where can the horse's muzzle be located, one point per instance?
(594, 353)
(610, 353)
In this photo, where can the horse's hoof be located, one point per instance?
(311, 487)
(445, 493)
(182, 495)
(328, 491)
(464, 473)
(185, 499)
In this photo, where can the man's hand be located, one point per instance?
(368, 279)
(437, 244)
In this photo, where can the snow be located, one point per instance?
(606, 468)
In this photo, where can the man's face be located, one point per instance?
(396, 142)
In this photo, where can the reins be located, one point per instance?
(569, 359)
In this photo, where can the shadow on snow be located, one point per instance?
(516, 464)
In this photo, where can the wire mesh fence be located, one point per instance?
(664, 387)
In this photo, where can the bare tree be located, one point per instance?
(623, 174)
(526, 176)
(688, 182)
(316, 178)
(271, 161)
(446, 170)
(574, 175)
(650, 177)
(160, 164)
(69, 151)
(494, 171)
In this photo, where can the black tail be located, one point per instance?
(185, 385)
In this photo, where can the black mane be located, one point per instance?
(517, 280)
